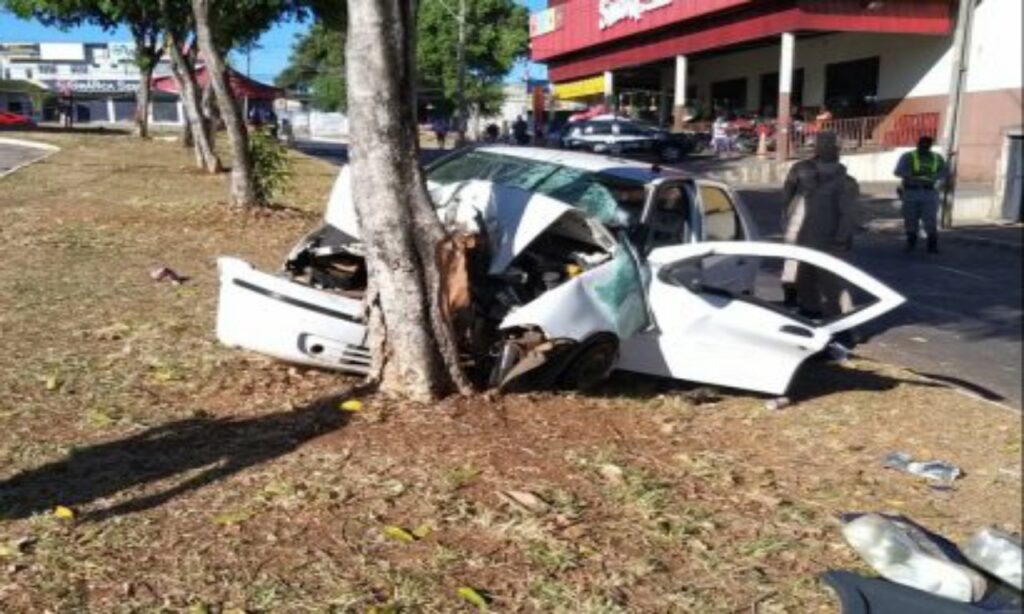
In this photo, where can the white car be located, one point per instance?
(593, 264)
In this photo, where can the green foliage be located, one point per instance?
(317, 67)
(497, 34)
(496, 37)
(272, 168)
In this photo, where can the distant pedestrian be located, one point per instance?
(492, 132)
(720, 136)
(440, 128)
(921, 170)
(820, 201)
(520, 131)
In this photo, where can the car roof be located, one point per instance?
(594, 163)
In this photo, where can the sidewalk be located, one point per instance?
(882, 209)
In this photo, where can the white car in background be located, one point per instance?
(593, 264)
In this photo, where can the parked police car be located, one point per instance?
(620, 136)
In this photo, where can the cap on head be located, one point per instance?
(826, 147)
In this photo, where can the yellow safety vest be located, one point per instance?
(915, 159)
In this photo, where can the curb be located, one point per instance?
(45, 147)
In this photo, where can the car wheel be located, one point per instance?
(592, 365)
(671, 153)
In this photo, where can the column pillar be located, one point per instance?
(784, 120)
(111, 113)
(181, 112)
(609, 92)
(679, 99)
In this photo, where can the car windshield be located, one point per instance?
(614, 201)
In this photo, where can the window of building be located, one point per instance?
(78, 69)
(770, 92)
(851, 88)
(47, 69)
(730, 95)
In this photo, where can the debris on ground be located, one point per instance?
(703, 395)
(167, 274)
(778, 403)
(940, 470)
(904, 553)
(998, 553)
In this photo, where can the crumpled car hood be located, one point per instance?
(511, 218)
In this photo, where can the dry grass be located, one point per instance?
(206, 480)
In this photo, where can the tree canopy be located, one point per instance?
(496, 37)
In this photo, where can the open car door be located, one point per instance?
(711, 334)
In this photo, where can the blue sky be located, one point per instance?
(265, 62)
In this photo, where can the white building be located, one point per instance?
(99, 78)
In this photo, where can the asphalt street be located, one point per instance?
(13, 156)
(962, 320)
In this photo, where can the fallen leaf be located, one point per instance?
(473, 596)
(63, 512)
(524, 500)
(399, 534)
(422, 531)
(52, 383)
(351, 405)
(235, 517)
(612, 473)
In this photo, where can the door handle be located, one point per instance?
(799, 331)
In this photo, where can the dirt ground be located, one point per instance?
(202, 479)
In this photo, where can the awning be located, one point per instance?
(241, 86)
(591, 86)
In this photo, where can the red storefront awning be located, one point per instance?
(579, 46)
(241, 86)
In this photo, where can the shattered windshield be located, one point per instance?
(611, 200)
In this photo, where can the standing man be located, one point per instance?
(820, 201)
(921, 171)
(440, 130)
(520, 131)
(720, 136)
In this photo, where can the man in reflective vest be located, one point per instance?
(921, 171)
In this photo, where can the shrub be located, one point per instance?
(271, 166)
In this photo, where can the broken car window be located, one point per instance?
(612, 201)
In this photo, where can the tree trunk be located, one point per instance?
(243, 192)
(410, 336)
(142, 98)
(184, 74)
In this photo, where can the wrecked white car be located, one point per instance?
(591, 264)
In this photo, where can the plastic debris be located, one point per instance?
(933, 470)
(351, 405)
(167, 274)
(998, 553)
(777, 403)
(63, 512)
(903, 553)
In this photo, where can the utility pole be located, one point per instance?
(951, 127)
(460, 93)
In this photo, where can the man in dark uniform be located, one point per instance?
(921, 171)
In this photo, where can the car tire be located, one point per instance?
(592, 364)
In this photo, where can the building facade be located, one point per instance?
(884, 69)
(97, 80)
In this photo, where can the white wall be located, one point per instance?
(995, 61)
(910, 65)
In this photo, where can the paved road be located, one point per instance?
(962, 320)
(12, 156)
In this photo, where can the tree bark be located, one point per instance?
(409, 333)
(142, 100)
(183, 68)
(243, 192)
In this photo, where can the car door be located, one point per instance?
(708, 334)
(721, 219)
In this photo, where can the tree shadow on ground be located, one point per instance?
(210, 449)
(816, 378)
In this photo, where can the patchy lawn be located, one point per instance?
(204, 480)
